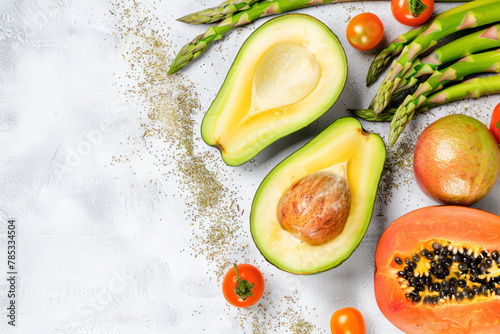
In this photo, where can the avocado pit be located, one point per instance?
(315, 208)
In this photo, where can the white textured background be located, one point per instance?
(106, 246)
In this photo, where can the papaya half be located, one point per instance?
(437, 271)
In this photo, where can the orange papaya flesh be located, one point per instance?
(437, 271)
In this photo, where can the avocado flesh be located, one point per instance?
(344, 141)
(287, 74)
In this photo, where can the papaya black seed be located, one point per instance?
(488, 263)
(439, 268)
(416, 258)
(445, 284)
(462, 283)
(478, 260)
(446, 271)
(497, 291)
(460, 297)
(411, 281)
(409, 295)
(427, 280)
(436, 246)
(407, 261)
(436, 286)
(444, 293)
(401, 273)
(495, 255)
(435, 300)
(444, 252)
(474, 272)
(431, 287)
(471, 295)
(398, 261)
(462, 267)
(432, 271)
(430, 255)
(433, 264)
(453, 281)
(456, 257)
(484, 290)
(476, 289)
(408, 271)
(452, 290)
(424, 252)
(441, 258)
(416, 299)
(482, 268)
(427, 300)
(448, 262)
(484, 253)
(413, 265)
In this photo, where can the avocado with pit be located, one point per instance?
(344, 148)
(287, 74)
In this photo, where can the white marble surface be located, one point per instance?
(106, 241)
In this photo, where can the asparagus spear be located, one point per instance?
(214, 14)
(368, 115)
(393, 49)
(258, 9)
(473, 88)
(214, 33)
(482, 62)
(439, 28)
(229, 7)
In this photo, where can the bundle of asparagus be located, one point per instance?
(408, 69)
(233, 13)
(472, 88)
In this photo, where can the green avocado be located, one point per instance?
(287, 74)
(345, 143)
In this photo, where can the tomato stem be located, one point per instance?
(242, 288)
(416, 7)
(498, 125)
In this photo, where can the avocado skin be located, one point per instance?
(377, 169)
(211, 120)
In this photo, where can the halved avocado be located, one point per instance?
(344, 141)
(287, 74)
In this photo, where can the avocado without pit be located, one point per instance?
(287, 74)
(361, 155)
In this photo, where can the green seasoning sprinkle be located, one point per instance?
(302, 327)
(169, 138)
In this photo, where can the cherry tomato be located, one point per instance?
(495, 123)
(403, 15)
(244, 287)
(365, 31)
(347, 321)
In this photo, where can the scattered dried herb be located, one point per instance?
(170, 105)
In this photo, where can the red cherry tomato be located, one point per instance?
(495, 123)
(347, 321)
(403, 15)
(365, 31)
(236, 287)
